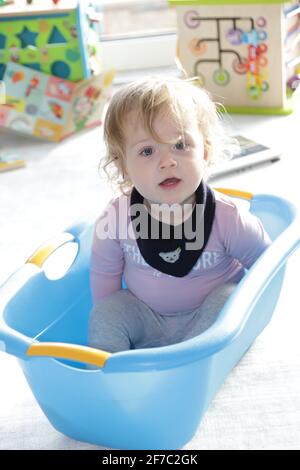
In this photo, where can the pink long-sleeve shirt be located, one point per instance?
(236, 241)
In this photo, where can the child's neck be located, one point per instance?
(173, 214)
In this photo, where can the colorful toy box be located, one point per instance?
(46, 37)
(50, 107)
(245, 52)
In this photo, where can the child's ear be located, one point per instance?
(124, 169)
(207, 150)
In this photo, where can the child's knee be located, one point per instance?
(107, 324)
(107, 310)
(108, 306)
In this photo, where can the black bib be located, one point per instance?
(174, 249)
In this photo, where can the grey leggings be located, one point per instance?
(121, 321)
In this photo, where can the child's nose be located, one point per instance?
(167, 161)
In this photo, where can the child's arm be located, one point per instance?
(107, 261)
(245, 238)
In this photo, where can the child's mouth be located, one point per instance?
(169, 183)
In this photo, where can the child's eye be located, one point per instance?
(180, 145)
(146, 152)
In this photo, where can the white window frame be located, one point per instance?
(139, 52)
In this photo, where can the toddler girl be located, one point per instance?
(180, 246)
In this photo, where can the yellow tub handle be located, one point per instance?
(236, 193)
(74, 352)
(44, 251)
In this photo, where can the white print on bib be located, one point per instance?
(171, 256)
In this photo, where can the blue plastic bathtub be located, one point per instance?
(140, 399)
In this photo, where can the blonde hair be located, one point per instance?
(148, 97)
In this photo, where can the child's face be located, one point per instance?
(149, 163)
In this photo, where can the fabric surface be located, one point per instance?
(236, 241)
(121, 321)
(167, 251)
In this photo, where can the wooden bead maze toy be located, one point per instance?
(245, 52)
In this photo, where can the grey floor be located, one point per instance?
(259, 405)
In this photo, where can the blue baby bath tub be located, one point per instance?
(140, 399)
